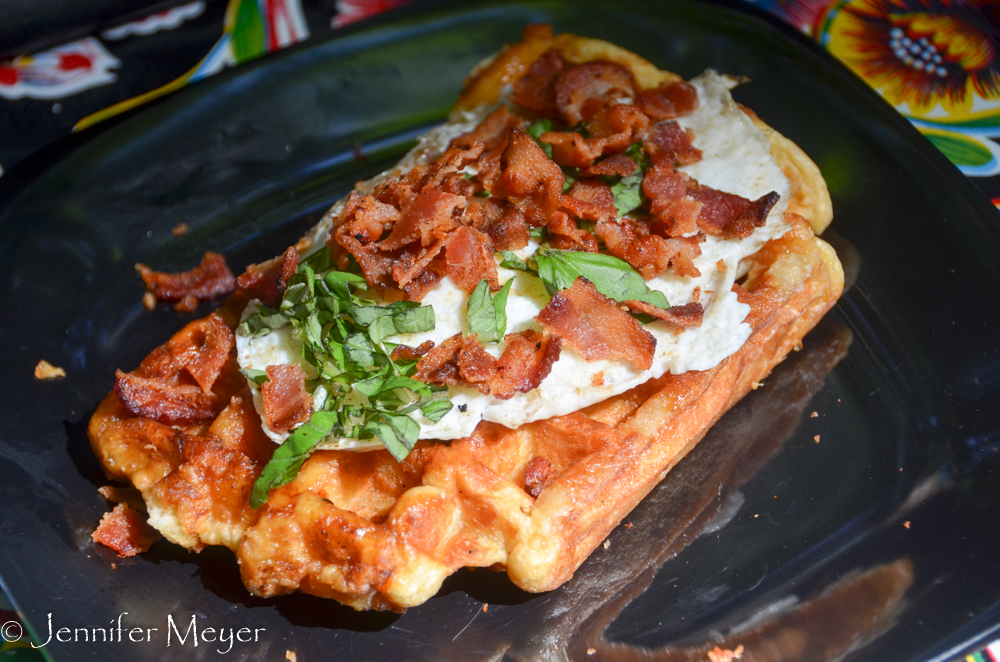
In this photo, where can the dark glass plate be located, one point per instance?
(885, 526)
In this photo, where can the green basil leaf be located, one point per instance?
(290, 456)
(366, 315)
(500, 306)
(319, 261)
(414, 320)
(481, 314)
(359, 350)
(436, 409)
(258, 377)
(512, 261)
(370, 386)
(382, 327)
(612, 277)
(337, 282)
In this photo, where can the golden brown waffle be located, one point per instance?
(377, 534)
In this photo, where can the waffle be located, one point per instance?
(374, 533)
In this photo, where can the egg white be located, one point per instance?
(736, 159)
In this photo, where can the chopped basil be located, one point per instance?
(612, 277)
(512, 261)
(487, 315)
(289, 456)
(343, 336)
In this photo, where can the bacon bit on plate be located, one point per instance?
(149, 301)
(268, 280)
(209, 280)
(526, 360)
(595, 327)
(538, 474)
(45, 370)
(290, 656)
(179, 230)
(125, 531)
(286, 401)
(668, 101)
(161, 387)
(724, 654)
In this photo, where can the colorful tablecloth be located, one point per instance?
(936, 61)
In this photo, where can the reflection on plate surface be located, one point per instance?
(907, 421)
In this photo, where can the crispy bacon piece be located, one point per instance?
(125, 531)
(534, 91)
(526, 360)
(729, 214)
(612, 130)
(618, 127)
(596, 327)
(676, 198)
(451, 163)
(165, 402)
(469, 259)
(439, 365)
(582, 90)
(668, 143)
(615, 165)
(530, 178)
(491, 132)
(509, 231)
(538, 473)
(287, 404)
(209, 280)
(570, 148)
(161, 387)
(431, 215)
(268, 280)
(599, 200)
(411, 263)
(590, 200)
(567, 236)
(669, 101)
(650, 254)
(362, 222)
(690, 314)
(407, 353)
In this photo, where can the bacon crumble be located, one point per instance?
(526, 360)
(209, 280)
(595, 327)
(125, 531)
(174, 383)
(268, 280)
(287, 404)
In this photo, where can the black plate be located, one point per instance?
(248, 159)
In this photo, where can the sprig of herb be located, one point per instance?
(628, 190)
(487, 315)
(360, 392)
(611, 276)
